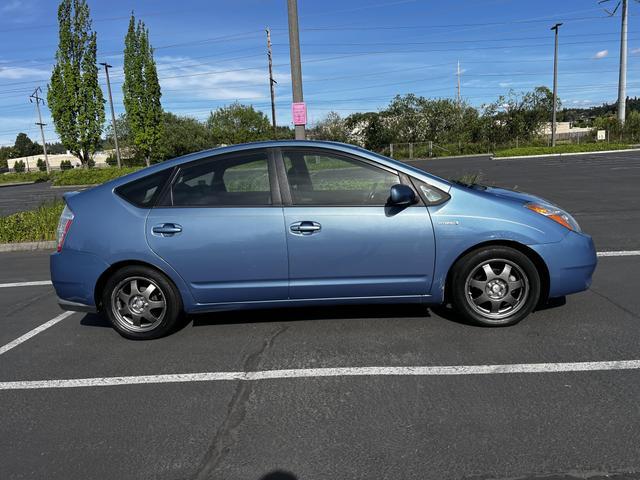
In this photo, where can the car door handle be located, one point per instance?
(167, 229)
(305, 228)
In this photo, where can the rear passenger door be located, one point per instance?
(219, 225)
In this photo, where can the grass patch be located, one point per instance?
(570, 148)
(24, 177)
(32, 225)
(91, 176)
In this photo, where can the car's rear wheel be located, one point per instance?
(141, 303)
(495, 286)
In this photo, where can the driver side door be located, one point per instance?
(343, 239)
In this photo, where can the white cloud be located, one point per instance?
(183, 75)
(505, 84)
(635, 51)
(601, 54)
(13, 73)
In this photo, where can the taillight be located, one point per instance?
(63, 226)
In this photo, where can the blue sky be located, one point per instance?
(356, 54)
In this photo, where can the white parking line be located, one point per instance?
(423, 371)
(25, 284)
(34, 332)
(620, 253)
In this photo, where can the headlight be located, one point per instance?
(556, 214)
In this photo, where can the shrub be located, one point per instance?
(94, 176)
(24, 177)
(65, 165)
(32, 225)
(19, 166)
(42, 166)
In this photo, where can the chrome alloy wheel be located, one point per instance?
(497, 289)
(138, 304)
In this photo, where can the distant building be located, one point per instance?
(30, 162)
(565, 128)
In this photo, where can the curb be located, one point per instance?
(567, 154)
(471, 155)
(27, 246)
(16, 184)
(81, 187)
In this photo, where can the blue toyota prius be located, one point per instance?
(301, 223)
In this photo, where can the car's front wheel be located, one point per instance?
(495, 286)
(141, 303)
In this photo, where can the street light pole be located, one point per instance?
(113, 115)
(296, 68)
(555, 85)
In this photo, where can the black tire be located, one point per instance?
(136, 310)
(492, 297)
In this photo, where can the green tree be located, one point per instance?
(332, 127)
(521, 116)
(183, 135)
(632, 126)
(142, 92)
(25, 147)
(238, 123)
(19, 166)
(74, 95)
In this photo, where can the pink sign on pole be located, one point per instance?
(299, 113)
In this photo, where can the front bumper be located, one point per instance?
(571, 263)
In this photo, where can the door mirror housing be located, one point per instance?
(402, 195)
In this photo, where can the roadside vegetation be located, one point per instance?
(81, 176)
(23, 177)
(33, 225)
(91, 176)
(568, 148)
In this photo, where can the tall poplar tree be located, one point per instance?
(141, 90)
(74, 95)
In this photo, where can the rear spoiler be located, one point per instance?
(68, 196)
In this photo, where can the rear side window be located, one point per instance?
(144, 192)
(239, 180)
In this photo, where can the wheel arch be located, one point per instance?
(102, 280)
(537, 260)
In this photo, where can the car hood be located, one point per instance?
(521, 197)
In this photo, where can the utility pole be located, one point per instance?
(622, 79)
(272, 83)
(113, 115)
(555, 85)
(296, 69)
(34, 97)
(458, 74)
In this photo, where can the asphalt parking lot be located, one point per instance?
(26, 197)
(359, 392)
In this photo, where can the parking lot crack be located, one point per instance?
(226, 436)
(613, 302)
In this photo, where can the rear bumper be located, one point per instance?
(571, 263)
(74, 276)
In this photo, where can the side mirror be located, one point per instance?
(402, 195)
